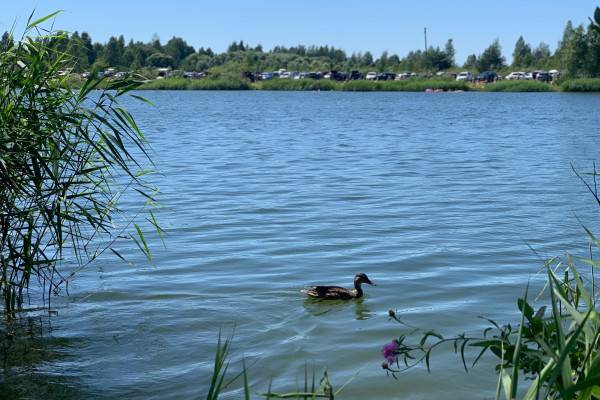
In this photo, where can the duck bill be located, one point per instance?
(371, 283)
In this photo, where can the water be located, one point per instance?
(435, 196)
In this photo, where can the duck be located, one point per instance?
(339, 293)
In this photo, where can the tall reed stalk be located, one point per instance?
(66, 156)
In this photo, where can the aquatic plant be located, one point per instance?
(219, 381)
(519, 86)
(66, 156)
(559, 352)
(581, 85)
(196, 84)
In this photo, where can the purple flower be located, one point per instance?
(389, 351)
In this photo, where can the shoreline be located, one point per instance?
(589, 85)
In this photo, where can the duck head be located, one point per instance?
(362, 278)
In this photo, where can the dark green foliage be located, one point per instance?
(61, 152)
(519, 86)
(581, 85)
(522, 55)
(160, 60)
(199, 84)
(491, 59)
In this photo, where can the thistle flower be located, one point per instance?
(389, 351)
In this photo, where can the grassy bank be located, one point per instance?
(413, 85)
(196, 84)
(581, 85)
(519, 86)
(409, 85)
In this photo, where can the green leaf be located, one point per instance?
(35, 23)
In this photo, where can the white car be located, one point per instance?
(515, 75)
(371, 76)
(285, 75)
(402, 76)
(464, 76)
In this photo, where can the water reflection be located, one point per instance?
(29, 355)
(320, 307)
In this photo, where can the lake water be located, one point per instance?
(435, 196)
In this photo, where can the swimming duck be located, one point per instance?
(340, 293)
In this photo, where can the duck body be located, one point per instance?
(337, 292)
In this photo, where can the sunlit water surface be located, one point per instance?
(435, 196)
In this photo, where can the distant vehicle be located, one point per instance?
(265, 76)
(529, 76)
(440, 73)
(386, 76)
(555, 74)
(310, 75)
(199, 75)
(85, 75)
(487, 77)
(371, 76)
(354, 75)
(543, 76)
(402, 76)
(464, 76)
(120, 75)
(515, 76)
(285, 75)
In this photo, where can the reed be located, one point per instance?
(297, 84)
(195, 84)
(519, 86)
(66, 157)
(581, 85)
(555, 348)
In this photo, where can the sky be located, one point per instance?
(395, 26)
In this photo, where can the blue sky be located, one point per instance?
(395, 26)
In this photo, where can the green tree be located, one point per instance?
(541, 55)
(160, 60)
(491, 58)
(450, 53)
(522, 56)
(471, 62)
(113, 52)
(178, 49)
(367, 59)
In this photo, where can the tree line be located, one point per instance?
(577, 54)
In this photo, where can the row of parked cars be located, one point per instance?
(332, 75)
(483, 77)
(491, 76)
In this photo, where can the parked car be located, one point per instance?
(265, 76)
(285, 75)
(386, 76)
(487, 77)
(403, 75)
(354, 75)
(335, 75)
(515, 75)
(371, 76)
(555, 74)
(464, 76)
(543, 76)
